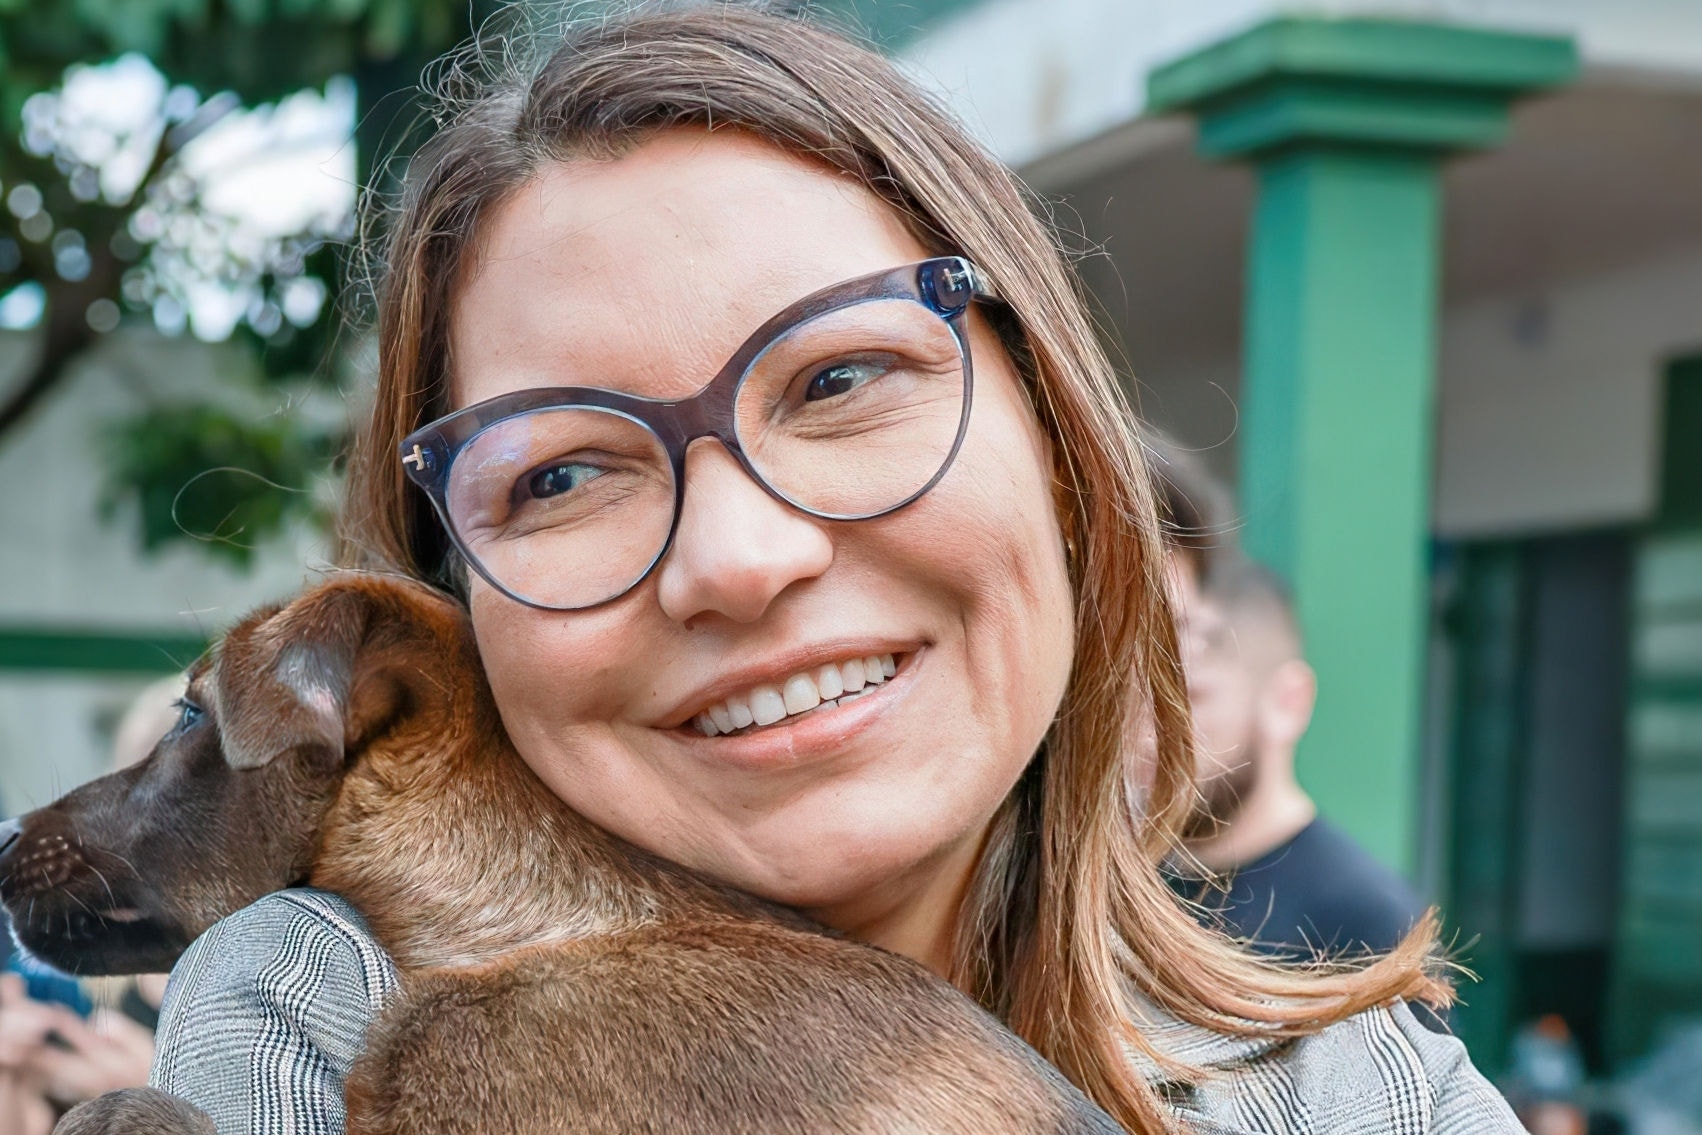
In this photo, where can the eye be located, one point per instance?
(188, 714)
(564, 477)
(841, 378)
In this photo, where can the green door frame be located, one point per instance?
(1488, 620)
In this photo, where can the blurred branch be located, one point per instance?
(66, 330)
(65, 335)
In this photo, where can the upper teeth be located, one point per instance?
(826, 685)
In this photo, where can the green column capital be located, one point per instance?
(1307, 81)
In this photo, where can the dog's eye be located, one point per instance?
(188, 714)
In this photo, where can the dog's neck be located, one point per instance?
(457, 854)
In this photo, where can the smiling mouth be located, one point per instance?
(819, 688)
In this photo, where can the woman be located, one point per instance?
(631, 216)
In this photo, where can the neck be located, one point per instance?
(1274, 812)
(915, 915)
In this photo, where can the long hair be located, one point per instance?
(1069, 932)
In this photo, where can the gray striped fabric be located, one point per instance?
(266, 1014)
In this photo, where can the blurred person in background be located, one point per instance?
(1192, 510)
(1294, 885)
(64, 1041)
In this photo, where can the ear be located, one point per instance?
(1289, 696)
(283, 681)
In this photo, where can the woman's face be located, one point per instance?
(644, 274)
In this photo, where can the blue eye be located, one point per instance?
(555, 480)
(188, 714)
(837, 380)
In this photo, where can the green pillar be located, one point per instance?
(1347, 122)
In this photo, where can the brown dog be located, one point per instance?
(565, 979)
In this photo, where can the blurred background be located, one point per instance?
(1420, 280)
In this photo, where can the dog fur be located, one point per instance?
(555, 978)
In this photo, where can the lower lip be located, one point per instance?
(809, 736)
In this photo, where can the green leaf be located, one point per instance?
(390, 25)
(248, 11)
(200, 475)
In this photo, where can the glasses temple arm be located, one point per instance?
(982, 286)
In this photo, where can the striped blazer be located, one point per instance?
(266, 1013)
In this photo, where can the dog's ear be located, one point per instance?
(305, 676)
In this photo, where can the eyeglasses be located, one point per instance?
(847, 405)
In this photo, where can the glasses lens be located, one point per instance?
(564, 508)
(855, 411)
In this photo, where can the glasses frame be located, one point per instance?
(946, 285)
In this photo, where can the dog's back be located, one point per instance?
(702, 1029)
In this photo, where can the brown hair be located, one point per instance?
(1069, 926)
(1193, 507)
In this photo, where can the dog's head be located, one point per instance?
(122, 874)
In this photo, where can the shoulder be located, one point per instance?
(1354, 897)
(1378, 1073)
(1322, 847)
(287, 946)
(271, 1002)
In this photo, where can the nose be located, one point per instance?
(736, 548)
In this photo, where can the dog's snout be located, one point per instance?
(37, 854)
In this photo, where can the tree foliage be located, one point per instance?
(196, 472)
(107, 222)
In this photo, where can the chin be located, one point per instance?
(863, 861)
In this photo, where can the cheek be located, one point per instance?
(547, 670)
(998, 540)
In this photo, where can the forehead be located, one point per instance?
(646, 272)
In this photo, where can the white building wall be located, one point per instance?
(1550, 403)
(63, 567)
(1033, 76)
